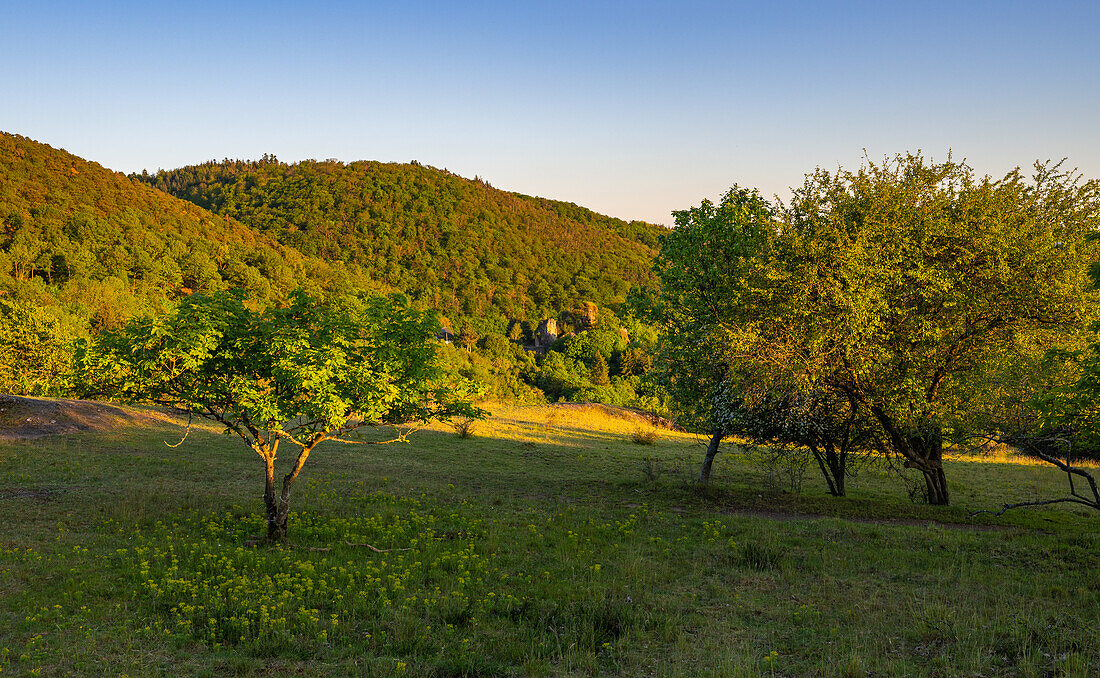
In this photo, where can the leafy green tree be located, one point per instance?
(598, 373)
(886, 287)
(907, 274)
(515, 332)
(705, 266)
(34, 353)
(469, 337)
(297, 375)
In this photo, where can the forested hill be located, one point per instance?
(98, 246)
(451, 243)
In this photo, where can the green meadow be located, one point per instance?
(553, 541)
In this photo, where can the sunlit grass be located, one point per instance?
(549, 543)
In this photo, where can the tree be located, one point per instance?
(34, 352)
(295, 375)
(886, 287)
(598, 373)
(834, 430)
(469, 337)
(703, 268)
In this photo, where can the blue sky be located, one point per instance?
(631, 109)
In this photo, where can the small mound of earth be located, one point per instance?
(27, 418)
(628, 413)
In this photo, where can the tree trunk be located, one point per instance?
(271, 503)
(922, 449)
(281, 517)
(832, 468)
(708, 462)
(928, 446)
(838, 464)
(935, 483)
(278, 525)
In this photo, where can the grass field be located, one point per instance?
(549, 543)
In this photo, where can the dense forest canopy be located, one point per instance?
(103, 246)
(83, 249)
(454, 244)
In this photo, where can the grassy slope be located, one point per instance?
(548, 544)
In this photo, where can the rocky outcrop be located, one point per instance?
(586, 315)
(547, 333)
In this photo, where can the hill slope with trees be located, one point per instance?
(83, 248)
(74, 227)
(455, 244)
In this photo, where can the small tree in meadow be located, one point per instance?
(296, 375)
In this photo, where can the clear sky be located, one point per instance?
(633, 109)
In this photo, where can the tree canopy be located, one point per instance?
(454, 244)
(895, 287)
(298, 374)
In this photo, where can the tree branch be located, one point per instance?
(186, 433)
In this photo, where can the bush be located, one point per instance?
(464, 428)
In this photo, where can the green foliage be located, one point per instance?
(601, 365)
(705, 268)
(501, 374)
(34, 351)
(1072, 412)
(304, 373)
(911, 273)
(66, 220)
(303, 369)
(453, 244)
(887, 287)
(91, 248)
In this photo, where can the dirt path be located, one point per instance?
(28, 418)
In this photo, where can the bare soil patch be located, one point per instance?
(28, 418)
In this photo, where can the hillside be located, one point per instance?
(76, 235)
(451, 243)
(83, 248)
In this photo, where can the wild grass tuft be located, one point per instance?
(757, 556)
(464, 428)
